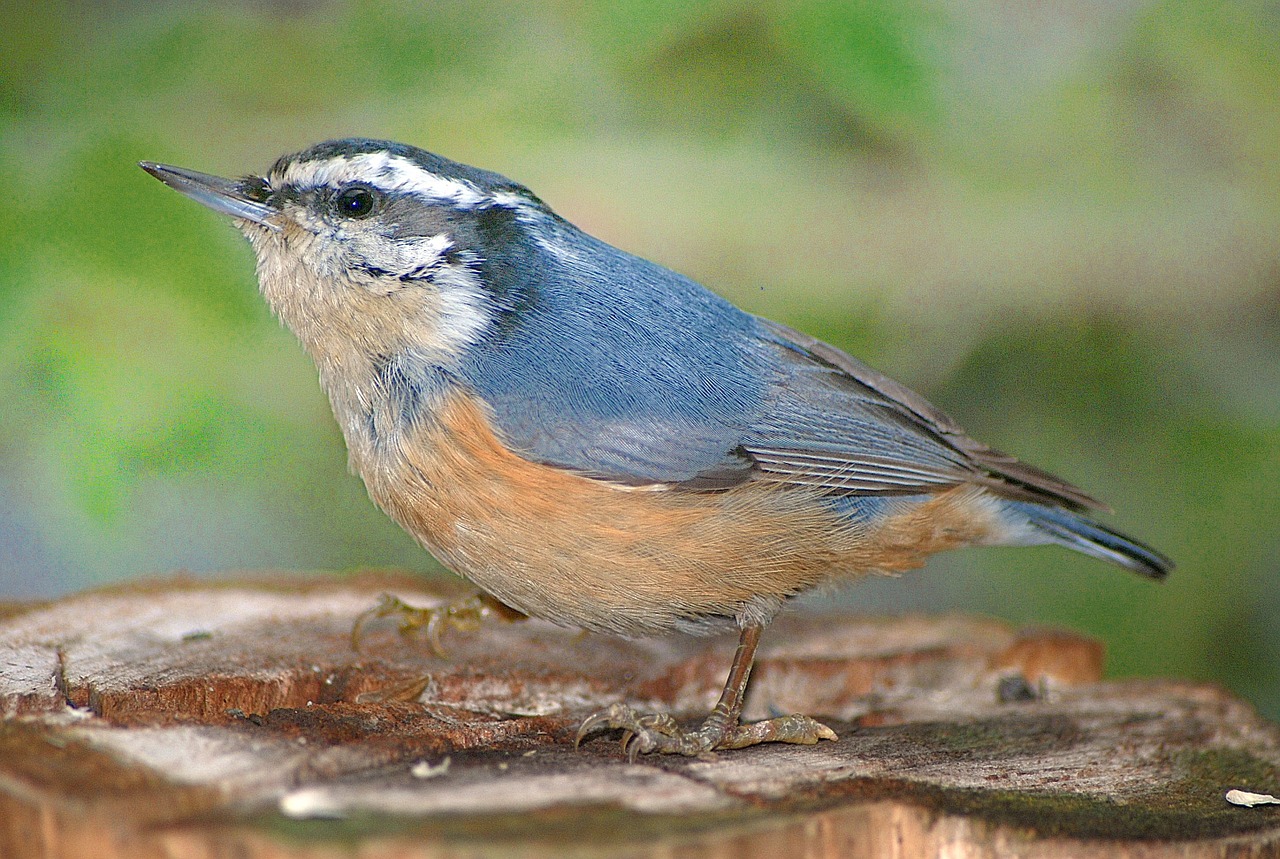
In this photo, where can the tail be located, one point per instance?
(1066, 528)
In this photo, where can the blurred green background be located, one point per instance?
(1059, 221)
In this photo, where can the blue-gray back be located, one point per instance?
(618, 368)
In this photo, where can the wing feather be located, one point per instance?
(839, 424)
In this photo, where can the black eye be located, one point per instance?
(355, 202)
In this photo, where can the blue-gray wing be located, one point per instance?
(837, 424)
(666, 382)
(770, 404)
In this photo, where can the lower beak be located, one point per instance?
(222, 195)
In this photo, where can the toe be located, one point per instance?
(797, 730)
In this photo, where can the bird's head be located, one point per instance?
(377, 246)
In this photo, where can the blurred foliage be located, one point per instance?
(1060, 222)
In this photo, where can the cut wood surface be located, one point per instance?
(233, 719)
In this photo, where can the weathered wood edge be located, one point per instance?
(1165, 817)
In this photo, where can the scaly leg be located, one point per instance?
(721, 730)
(465, 613)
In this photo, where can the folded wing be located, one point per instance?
(837, 424)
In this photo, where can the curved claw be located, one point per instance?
(632, 746)
(357, 628)
(594, 722)
(438, 618)
(386, 606)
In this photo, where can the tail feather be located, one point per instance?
(1074, 531)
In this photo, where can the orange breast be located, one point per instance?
(630, 561)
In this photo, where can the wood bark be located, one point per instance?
(233, 719)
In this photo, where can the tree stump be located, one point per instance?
(234, 719)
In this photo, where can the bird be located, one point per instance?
(593, 439)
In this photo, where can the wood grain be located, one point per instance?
(231, 718)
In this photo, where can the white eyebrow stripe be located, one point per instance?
(511, 201)
(383, 171)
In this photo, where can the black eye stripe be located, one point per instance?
(355, 201)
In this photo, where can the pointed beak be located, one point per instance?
(228, 196)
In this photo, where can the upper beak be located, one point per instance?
(222, 195)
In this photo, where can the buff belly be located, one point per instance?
(635, 561)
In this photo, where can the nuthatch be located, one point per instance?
(598, 441)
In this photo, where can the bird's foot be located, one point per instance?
(658, 732)
(465, 614)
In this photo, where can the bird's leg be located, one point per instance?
(721, 730)
(465, 613)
